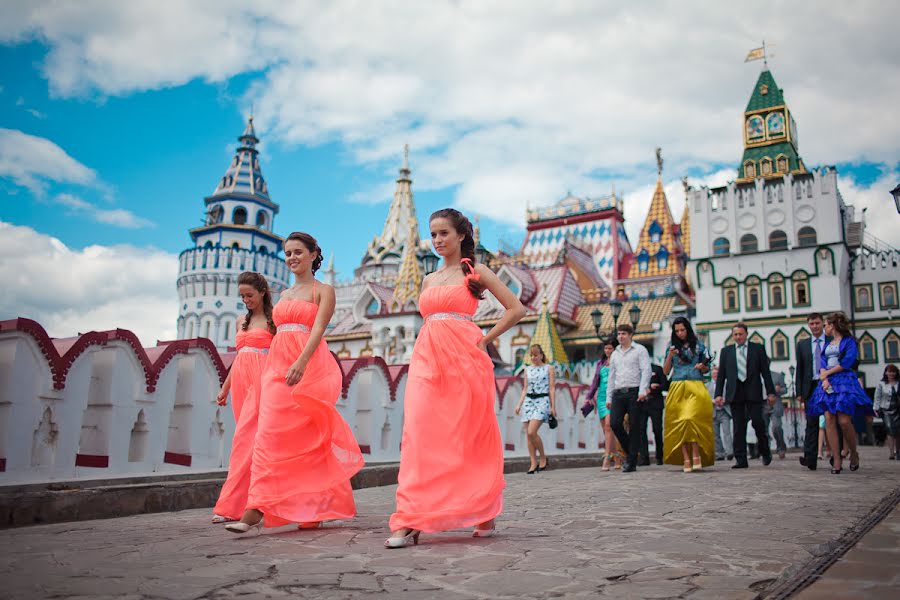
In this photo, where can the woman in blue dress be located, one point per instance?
(537, 403)
(596, 396)
(839, 395)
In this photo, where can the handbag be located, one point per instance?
(587, 408)
(552, 422)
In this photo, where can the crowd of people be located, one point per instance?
(293, 454)
(707, 421)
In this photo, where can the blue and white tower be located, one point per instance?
(236, 236)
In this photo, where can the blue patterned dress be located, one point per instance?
(847, 394)
(537, 401)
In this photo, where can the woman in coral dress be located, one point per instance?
(451, 459)
(688, 420)
(254, 335)
(305, 453)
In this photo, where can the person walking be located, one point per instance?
(537, 403)
(743, 372)
(721, 421)
(887, 405)
(809, 355)
(596, 396)
(773, 415)
(652, 410)
(628, 385)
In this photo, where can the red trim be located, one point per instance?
(574, 219)
(511, 447)
(365, 449)
(2, 465)
(581, 445)
(349, 367)
(98, 461)
(60, 364)
(174, 458)
(560, 445)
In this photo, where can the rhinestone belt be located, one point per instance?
(292, 327)
(254, 350)
(442, 316)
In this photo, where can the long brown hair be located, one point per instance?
(260, 284)
(839, 321)
(466, 248)
(311, 244)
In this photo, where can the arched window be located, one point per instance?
(753, 289)
(780, 346)
(800, 284)
(239, 216)
(892, 346)
(888, 292)
(730, 296)
(643, 260)
(721, 247)
(208, 244)
(868, 349)
(749, 169)
(662, 258)
(261, 219)
(263, 251)
(863, 297)
(782, 162)
(235, 246)
(776, 291)
(765, 166)
(372, 307)
(216, 213)
(778, 240)
(655, 231)
(757, 339)
(749, 243)
(806, 237)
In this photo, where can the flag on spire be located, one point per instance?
(756, 54)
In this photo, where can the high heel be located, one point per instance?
(688, 467)
(835, 471)
(221, 519)
(310, 525)
(532, 471)
(697, 464)
(546, 464)
(403, 541)
(606, 461)
(241, 527)
(485, 533)
(854, 466)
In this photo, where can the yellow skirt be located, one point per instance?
(688, 418)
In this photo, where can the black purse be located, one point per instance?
(552, 422)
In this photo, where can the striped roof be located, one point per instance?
(555, 283)
(653, 310)
(547, 337)
(349, 326)
(244, 175)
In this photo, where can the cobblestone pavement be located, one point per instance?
(579, 533)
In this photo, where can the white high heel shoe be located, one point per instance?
(485, 533)
(241, 527)
(403, 541)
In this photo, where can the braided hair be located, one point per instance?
(466, 248)
(311, 244)
(260, 284)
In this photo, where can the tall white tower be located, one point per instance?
(236, 236)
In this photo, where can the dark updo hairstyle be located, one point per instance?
(839, 321)
(466, 248)
(262, 286)
(311, 244)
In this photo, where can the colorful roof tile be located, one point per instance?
(547, 337)
(659, 247)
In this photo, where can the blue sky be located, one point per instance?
(117, 119)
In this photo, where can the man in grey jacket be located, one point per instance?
(721, 422)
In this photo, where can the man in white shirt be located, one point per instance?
(629, 383)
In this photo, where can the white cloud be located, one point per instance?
(32, 162)
(881, 213)
(117, 216)
(509, 102)
(98, 288)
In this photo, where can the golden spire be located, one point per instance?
(409, 279)
(476, 233)
(547, 337)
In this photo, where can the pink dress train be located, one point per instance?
(246, 373)
(305, 452)
(451, 459)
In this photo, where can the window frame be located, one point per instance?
(776, 281)
(780, 336)
(863, 287)
(755, 243)
(867, 338)
(753, 284)
(730, 285)
(727, 247)
(881, 287)
(800, 277)
(891, 336)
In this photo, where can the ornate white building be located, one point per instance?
(236, 236)
(780, 242)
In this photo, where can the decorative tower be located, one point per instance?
(409, 278)
(770, 134)
(236, 236)
(547, 337)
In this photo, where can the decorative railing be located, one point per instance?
(203, 260)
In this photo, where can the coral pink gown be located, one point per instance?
(246, 372)
(451, 459)
(305, 452)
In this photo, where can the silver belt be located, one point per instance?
(254, 350)
(292, 327)
(442, 316)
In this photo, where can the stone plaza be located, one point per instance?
(578, 533)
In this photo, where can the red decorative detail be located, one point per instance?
(97, 461)
(365, 449)
(609, 213)
(2, 465)
(560, 445)
(350, 366)
(503, 382)
(511, 447)
(581, 445)
(62, 353)
(174, 458)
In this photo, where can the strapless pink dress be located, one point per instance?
(246, 374)
(451, 459)
(305, 452)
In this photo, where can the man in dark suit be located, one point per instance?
(652, 409)
(745, 367)
(806, 378)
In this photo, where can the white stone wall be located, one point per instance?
(100, 406)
